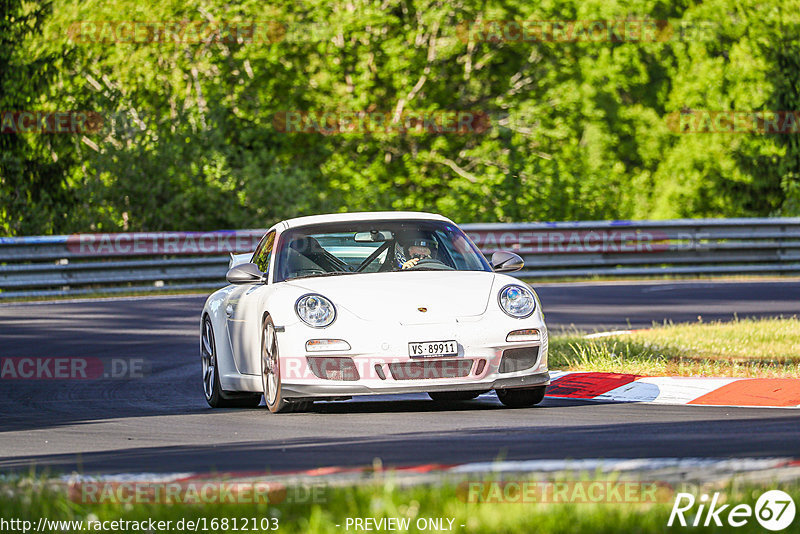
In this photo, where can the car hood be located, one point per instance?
(445, 295)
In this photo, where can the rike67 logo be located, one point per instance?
(774, 510)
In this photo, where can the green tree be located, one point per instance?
(35, 170)
(579, 129)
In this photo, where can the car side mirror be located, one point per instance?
(506, 262)
(238, 259)
(245, 273)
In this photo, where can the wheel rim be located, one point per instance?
(209, 358)
(269, 365)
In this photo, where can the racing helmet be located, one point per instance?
(418, 239)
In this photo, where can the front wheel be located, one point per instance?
(521, 397)
(271, 373)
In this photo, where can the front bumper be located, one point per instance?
(328, 389)
(481, 343)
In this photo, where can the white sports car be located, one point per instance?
(332, 306)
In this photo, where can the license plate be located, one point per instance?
(429, 349)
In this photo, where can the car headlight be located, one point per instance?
(315, 310)
(517, 301)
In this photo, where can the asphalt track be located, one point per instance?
(160, 423)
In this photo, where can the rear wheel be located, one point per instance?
(521, 397)
(453, 396)
(215, 396)
(271, 373)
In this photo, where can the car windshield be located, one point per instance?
(375, 247)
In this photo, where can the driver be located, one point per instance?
(418, 250)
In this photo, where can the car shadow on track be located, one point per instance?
(403, 404)
(702, 435)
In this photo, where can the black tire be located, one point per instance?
(521, 397)
(301, 406)
(454, 396)
(275, 402)
(215, 396)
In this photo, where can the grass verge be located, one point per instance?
(448, 502)
(763, 348)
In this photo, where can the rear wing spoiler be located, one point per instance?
(238, 259)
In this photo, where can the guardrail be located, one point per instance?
(130, 262)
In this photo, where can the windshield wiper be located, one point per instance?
(330, 273)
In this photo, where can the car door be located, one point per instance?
(244, 313)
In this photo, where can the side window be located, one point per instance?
(263, 253)
(458, 249)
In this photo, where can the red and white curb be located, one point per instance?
(334, 475)
(614, 387)
(707, 391)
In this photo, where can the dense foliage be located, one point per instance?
(579, 129)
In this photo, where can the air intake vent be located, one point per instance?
(430, 369)
(329, 368)
(519, 359)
